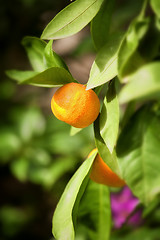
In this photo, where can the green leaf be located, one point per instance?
(129, 59)
(32, 123)
(74, 130)
(51, 59)
(150, 208)
(104, 67)
(109, 118)
(51, 77)
(35, 50)
(10, 144)
(20, 168)
(144, 83)
(110, 159)
(95, 211)
(72, 19)
(145, 233)
(152, 41)
(138, 152)
(47, 176)
(63, 226)
(20, 76)
(100, 25)
(155, 4)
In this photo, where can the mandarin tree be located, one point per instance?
(125, 75)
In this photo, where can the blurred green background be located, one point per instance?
(37, 155)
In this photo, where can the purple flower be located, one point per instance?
(123, 204)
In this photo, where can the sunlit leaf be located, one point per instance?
(109, 118)
(95, 211)
(72, 19)
(74, 131)
(144, 83)
(35, 50)
(63, 226)
(51, 59)
(129, 59)
(110, 159)
(51, 77)
(138, 150)
(104, 67)
(20, 76)
(155, 4)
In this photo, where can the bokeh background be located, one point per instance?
(37, 155)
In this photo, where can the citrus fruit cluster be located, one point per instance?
(79, 107)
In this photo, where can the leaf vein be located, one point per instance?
(76, 17)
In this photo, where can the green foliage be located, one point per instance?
(156, 7)
(51, 59)
(142, 233)
(49, 69)
(36, 151)
(66, 24)
(127, 136)
(109, 118)
(138, 152)
(35, 49)
(104, 67)
(107, 156)
(52, 77)
(62, 219)
(144, 83)
(95, 212)
(101, 24)
(129, 58)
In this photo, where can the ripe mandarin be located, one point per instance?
(75, 105)
(101, 173)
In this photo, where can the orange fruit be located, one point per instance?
(75, 105)
(101, 173)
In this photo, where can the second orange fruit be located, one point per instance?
(101, 173)
(75, 105)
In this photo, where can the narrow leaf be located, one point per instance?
(100, 24)
(110, 159)
(155, 4)
(129, 59)
(144, 83)
(109, 118)
(51, 59)
(63, 227)
(104, 67)
(35, 50)
(138, 150)
(20, 76)
(51, 77)
(72, 19)
(95, 211)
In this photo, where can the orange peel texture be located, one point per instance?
(75, 105)
(101, 173)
